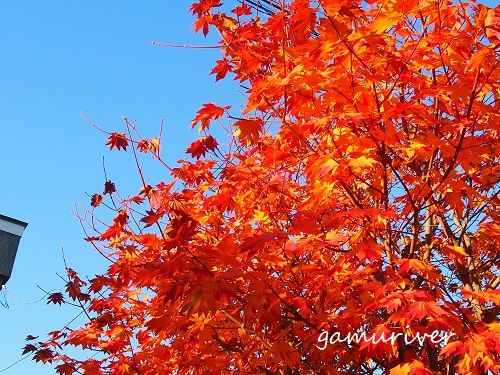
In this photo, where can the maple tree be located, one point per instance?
(357, 189)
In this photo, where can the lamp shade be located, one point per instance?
(11, 231)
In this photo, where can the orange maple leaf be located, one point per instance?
(207, 113)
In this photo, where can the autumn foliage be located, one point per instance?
(357, 189)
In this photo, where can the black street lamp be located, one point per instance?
(11, 231)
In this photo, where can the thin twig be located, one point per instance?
(154, 43)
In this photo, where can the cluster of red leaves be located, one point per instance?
(201, 146)
(359, 190)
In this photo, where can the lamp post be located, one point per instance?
(11, 231)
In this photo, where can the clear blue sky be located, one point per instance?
(59, 58)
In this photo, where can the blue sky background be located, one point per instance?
(61, 57)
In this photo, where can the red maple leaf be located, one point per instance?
(143, 145)
(200, 147)
(247, 130)
(118, 140)
(109, 187)
(221, 69)
(29, 348)
(44, 355)
(242, 10)
(204, 6)
(65, 369)
(55, 298)
(96, 200)
(151, 218)
(207, 113)
(73, 290)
